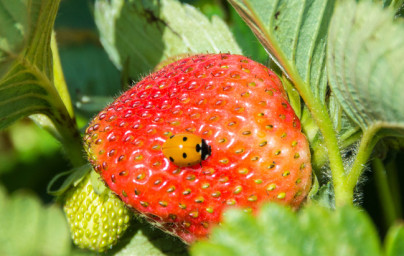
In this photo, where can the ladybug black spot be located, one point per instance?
(198, 147)
(206, 150)
(171, 159)
(184, 138)
(184, 155)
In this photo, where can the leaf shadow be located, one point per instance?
(141, 234)
(139, 45)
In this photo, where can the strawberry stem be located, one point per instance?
(59, 120)
(321, 117)
(65, 125)
(71, 141)
(368, 142)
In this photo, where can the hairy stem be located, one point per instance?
(368, 142)
(324, 123)
(72, 143)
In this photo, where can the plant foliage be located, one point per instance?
(341, 64)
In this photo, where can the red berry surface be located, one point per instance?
(258, 152)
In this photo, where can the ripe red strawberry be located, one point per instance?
(258, 153)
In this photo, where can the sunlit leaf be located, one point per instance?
(16, 18)
(29, 228)
(27, 87)
(294, 33)
(395, 240)
(364, 60)
(279, 231)
(140, 34)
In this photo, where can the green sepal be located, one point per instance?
(394, 242)
(74, 177)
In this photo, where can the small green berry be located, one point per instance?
(91, 210)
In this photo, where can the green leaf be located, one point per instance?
(293, 95)
(314, 188)
(394, 242)
(28, 228)
(15, 19)
(398, 6)
(246, 39)
(386, 3)
(324, 196)
(294, 33)
(348, 131)
(279, 231)
(27, 86)
(142, 239)
(364, 60)
(140, 34)
(92, 77)
(93, 104)
(89, 72)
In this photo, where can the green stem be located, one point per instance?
(394, 186)
(71, 141)
(65, 131)
(62, 119)
(385, 195)
(368, 142)
(321, 117)
(66, 126)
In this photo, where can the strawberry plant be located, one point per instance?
(167, 127)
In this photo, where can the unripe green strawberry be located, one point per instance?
(228, 109)
(96, 216)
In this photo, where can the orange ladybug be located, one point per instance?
(186, 149)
